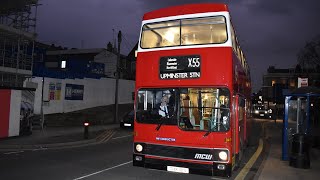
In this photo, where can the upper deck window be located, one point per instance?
(197, 31)
(161, 34)
(203, 31)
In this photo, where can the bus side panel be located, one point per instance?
(242, 122)
(237, 137)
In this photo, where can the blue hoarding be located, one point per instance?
(74, 92)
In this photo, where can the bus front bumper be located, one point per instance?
(213, 169)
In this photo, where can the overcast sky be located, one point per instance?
(271, 32)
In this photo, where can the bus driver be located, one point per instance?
(164, 108)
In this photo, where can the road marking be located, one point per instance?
(217, 178)
(102, 135)
(13, 152)
(157, 170)
(108, 136)
(105, 136)
(40, 149)
(250, 163)
(121, 137)
(98, 172)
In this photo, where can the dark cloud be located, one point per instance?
(165, 3)
(275, 7)
(271, 32)
(268, 7)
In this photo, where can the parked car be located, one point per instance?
(127, 120)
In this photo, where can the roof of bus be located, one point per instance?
(185, 9)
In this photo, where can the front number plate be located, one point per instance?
(177, 169)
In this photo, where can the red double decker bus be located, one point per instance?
(192, 99)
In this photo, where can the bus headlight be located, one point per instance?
(223, 155)
(139, 148)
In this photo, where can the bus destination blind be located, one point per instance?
(180, 67)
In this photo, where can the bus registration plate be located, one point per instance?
(177, 169)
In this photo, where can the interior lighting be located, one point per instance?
(169, 36)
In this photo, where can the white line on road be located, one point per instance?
(39, 149)
(121, 137)
(98, 172)
(217, 178)
(14, 152)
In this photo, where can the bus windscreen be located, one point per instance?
(192, 109)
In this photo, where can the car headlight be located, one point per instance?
(139, 148)
(223, 155)
(265, 112)
(256, 112)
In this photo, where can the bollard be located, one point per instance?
(300, 152)
(86, 130)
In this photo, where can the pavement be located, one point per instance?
(65, 130)
(59, 137)
(274, 167)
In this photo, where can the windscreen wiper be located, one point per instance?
(161, 122)
(207, 133)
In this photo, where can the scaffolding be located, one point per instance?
(17, 38)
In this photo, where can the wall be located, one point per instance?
(109, 59)
(14, 121)
(5, 96)
(97, 92)
(10, 112)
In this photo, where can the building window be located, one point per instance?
(292, 83)
(63, 64)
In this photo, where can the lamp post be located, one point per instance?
(116, 114)
(42, 114)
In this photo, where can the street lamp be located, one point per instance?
(42, 114)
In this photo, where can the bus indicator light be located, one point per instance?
(227, 140)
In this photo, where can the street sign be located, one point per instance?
(302, 82)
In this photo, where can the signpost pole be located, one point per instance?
(115, 120)
(42, 114)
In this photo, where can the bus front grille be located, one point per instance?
(179, 152)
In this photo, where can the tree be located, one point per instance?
(309, 56)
